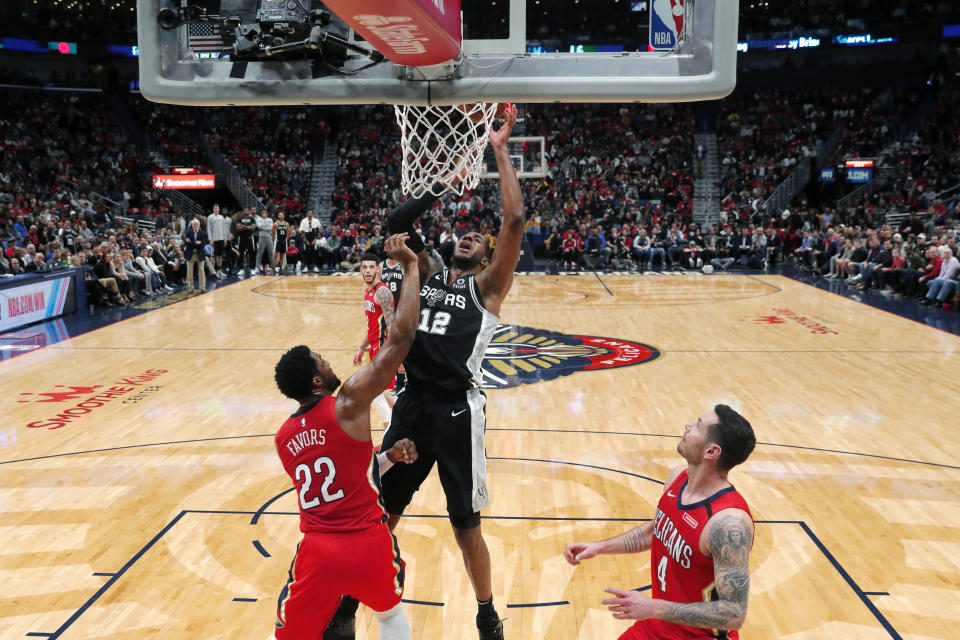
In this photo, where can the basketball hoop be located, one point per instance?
(443, 146)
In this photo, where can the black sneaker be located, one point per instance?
(490, 627)
(341, 628)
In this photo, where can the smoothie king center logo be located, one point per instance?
(83, 400)
(815, 324)
(523, 355)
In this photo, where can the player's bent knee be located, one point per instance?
(469, 536)
(392, 623)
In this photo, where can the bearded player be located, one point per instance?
(378, 307)
(699, 540)
(442, 407)
(326, 450)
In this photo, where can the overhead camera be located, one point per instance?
(274, 30)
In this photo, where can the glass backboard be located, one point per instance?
(511, 51)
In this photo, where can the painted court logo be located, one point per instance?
(816, 324)
(61, 396)
(523, 355)
(90, 398)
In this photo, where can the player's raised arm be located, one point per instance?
(401, 219)
(362, 387)
(494, 282)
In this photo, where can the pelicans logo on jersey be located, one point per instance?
(522, 355)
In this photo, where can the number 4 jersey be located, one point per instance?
(452, 336)
(679, 570)
(336, 478)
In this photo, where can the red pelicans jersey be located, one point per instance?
(336, 478)
(680, 572)
(376, 326)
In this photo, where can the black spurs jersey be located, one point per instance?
(452, 336)
(393, 278)
(248, 221)
(282, 233)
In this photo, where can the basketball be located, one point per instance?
(474, 110)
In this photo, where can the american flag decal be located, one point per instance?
(205, 37)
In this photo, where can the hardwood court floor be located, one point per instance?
(160, 510)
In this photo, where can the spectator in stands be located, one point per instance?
(945, 283)
(873, 251)
(890, 276)
(129, 284)
(571, 255)
(597, 254)
(142, 282)
(640, 248)
(883, 260)
(333, 249)
(175, 268)
(927, 273)
(843, 256)
(105, 276)
(293, 253)
(659, 242)
(351, 261)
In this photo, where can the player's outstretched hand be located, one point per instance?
(498, 138)
(358, 357)
(398, 250)
(630, 605)
(577, 551)
(402, 451)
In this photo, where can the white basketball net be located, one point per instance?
(440, 144)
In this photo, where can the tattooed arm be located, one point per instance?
(384, 298)
(633, 541)
(729, 538)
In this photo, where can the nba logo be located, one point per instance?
(666, 24)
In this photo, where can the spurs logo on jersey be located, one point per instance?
(433, 297)
(452, 335)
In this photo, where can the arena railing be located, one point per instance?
(230, 176)
(116, 209)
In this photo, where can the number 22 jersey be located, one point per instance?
(336, 479)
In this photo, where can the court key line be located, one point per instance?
(861, 594)
(520, 429)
